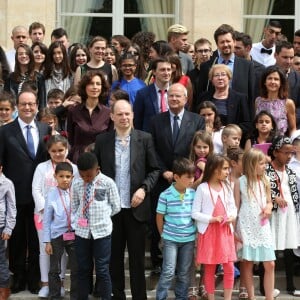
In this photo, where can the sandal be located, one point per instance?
(193, 291)
(243, 293)
(202, 293)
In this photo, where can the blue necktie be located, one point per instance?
(88, 192)
(175, 129)
(30, 143)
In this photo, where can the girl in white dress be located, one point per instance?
(253, 200)
(284, 194)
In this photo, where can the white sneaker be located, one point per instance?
(62, 291)
(276, 293)
(44, 292)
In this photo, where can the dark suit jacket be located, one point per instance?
(294, 87)
(144, 169)
(18, 166)
(242, 79)
(162, 134)
(237, 109)
(145, 107)
(258, 70)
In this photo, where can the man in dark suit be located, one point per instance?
(242, 69)
(171, 140)
(242, 48)
(148, 101)
(284, 54)
(21, 150)
(128, 156)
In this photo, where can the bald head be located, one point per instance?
(177, 98)
(19, 35)
(122, 115)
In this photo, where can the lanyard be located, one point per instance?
(84, 208)
(65, 208)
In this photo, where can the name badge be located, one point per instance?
(69, 236)
(82, 222)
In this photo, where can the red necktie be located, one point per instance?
(163, 106)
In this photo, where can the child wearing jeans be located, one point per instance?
(177, 230)
(95, 201)
(8, 214)
(58, 231)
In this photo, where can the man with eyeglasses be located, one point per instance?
(264, 51)
(242, 70)
(22, 148)
(284, 56)
(203, 53)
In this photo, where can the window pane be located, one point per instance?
(255, 27)
(267, 7)
(149, 6)
(80, 29)
(159, 26)
(86, 6)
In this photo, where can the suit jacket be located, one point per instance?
(162, 134)
(294, 87)
(237, 109)
(242, 79)
(144, 169)
(145, 107)
(18, 166)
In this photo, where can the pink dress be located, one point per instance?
(198, 172)
(216, 245)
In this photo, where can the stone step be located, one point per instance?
(152, 282)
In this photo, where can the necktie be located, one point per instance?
(175, 129)
(163, 106)
(267, 51)
(225, 62)
(87, 199)
(30, 144)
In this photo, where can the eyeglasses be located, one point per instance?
(128, 65)
(30, 104)
(220, 75)
(133, 52)
(202, 50)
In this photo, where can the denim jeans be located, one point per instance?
(58, 248)
(4, 271)
(99, 249)
(176, 256)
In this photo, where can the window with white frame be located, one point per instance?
(256, 14)
(85, 18)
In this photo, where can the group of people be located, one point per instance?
(100, 144)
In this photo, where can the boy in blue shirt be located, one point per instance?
(58, 231)
(177, 230)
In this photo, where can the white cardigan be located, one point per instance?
(203, 206)
(43, 180)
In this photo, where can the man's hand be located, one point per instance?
(138, 197)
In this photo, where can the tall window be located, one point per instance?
(258, 13)
(85, 18)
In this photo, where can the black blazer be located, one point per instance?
(162, 136)
(242, 79)
(18, 166)
(144, 169)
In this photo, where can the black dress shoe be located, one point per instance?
(17, 287)
(34, 288)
